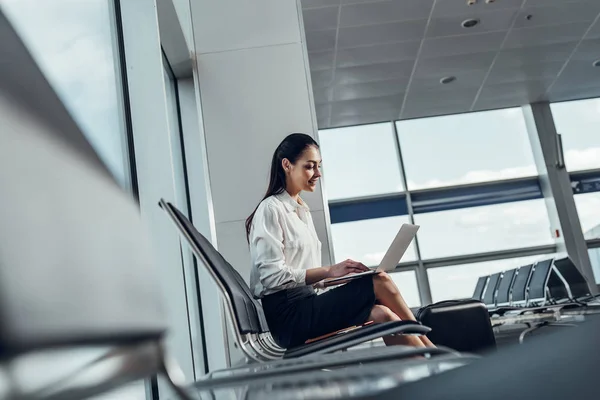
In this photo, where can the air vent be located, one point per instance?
(447, 79)
(469, 23)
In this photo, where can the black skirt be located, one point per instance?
(298, 314)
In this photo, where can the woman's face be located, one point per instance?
(305, 173)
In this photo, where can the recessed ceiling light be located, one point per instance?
(597, 63)
(447, 79)
(469, 23)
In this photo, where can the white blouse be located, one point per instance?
(283, 245)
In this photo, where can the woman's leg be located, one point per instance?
(387, 293)
(383, 314)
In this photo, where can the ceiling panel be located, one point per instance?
(370, 89)
(437, 102)
(321, 18)
(594, 32)
(384, 11)
(321, 60)
(463, 44)
(373, 73)
(382, 33)
(579, 72)
(321, 78)
(564, 13)
(550, 3)
(388, 104)
(377, 60)
(522, 73)
(574, 93)
(320, 40)
(453, 8)
(588, 49)
(499, 20)
(464, 80)
(365, 55)
(323, 111)
(558, 52)
(322, 95)
(319, 3)
(443, 66)
(538, 36)
(526, 91)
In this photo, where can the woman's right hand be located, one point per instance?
(346, 267)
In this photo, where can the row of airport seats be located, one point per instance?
(549, 281)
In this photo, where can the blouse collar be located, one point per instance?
(291, 204)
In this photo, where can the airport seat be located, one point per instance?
(505, 288)
(489, 297)
(246, 314)
(480, 288)
(568, 283)
(520, 284)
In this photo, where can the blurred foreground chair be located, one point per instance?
(75, 266)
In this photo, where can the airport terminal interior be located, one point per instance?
(153, 124)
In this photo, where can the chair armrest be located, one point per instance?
(358, 336)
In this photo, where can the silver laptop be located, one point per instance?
(392, 257)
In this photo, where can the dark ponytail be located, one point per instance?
(291, 148)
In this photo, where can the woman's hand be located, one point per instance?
(346, 267)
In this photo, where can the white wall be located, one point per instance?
(251, 67)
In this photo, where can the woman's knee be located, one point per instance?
(381, 313)
(384, 280)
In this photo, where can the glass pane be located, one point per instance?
(458, 281)
(368, 240)
(578, 122)
(175, 138)
(595, 260)
(588, 208)
(407, 283)
(73, 43)
(482, 229)
(465, 148)
(360, 161)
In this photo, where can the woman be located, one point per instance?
(286, 255)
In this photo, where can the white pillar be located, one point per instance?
(252, 67)
(556, 187)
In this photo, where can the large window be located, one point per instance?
(579, 124)
(588, 208)
(483, 229)
(407, 283)
(465, 148)
(360, 161)
(471, 184)
(73, 42)
(595, 260)
(458, 281)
